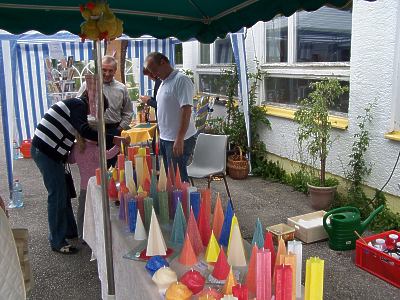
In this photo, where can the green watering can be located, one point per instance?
(343, 222)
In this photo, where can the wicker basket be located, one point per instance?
(238, 165)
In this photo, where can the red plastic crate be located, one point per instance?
(376, 262)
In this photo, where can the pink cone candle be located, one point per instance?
(263, 275)
(240, 291)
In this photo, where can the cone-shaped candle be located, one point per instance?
(241, 292)
(153, 192)
(112, 190)
(131, 186)
(189, 190)
(132, 215)
(283, 283)
(155, 242)
(178, 180)
(140, 232)
(290, 260)
(218, 219)
(179, 226)
(139, 165)
(194, 281)
(258, 236)
(281, 251)
(148, 208)
(204, 224)
(296, 248)
(212, 251)
(233, 224)
(263, 275)
(314, 286)
(226, 226)
(251, 272)
(206, 197)
(269, 244)
(163, 205)
(195, 201)
(140, 202)
(146, 174)
(236, 254)
(194, 235)
(187, 257)
(221, 268)
(229, 283)
(177, 196)
(128, 170)
(162, 179)
(164, 277)
(178, 291)
(146, 185)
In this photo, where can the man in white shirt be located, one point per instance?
(174, 112)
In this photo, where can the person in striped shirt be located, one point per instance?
(51, 145)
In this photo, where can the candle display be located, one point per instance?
(121, 162)
(163, 206)
(194, 281)
(195, 201)
(139, 162)
(164, 277)
(132, 213)
(229, 283)
(263, 275)
(314, 286)
(148, 207)
(98, 176)
(283, 283)
(269, 244)
(240, 291)
(290, 260)
(251, 272)
(296, 248)
(187, 257)
(226, 226)
(177, 196)
(194, 234)
(204, 224)
(162, 178)
(258, 236)
(178, 291)
(155, 242)
(112, 190)
(212, 251)
(155, 263)
(221, 268)
(236, 253)
(218, 219)
(179, 226)
(140, 232)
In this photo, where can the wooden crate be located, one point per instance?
(308, 234)
(283, 231)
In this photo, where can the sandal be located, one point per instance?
(68, 249)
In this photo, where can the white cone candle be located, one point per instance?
(155, 243)
(140, 232)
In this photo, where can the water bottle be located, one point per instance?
(16, 151)
(17, 197)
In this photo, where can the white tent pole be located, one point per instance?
(103, 167)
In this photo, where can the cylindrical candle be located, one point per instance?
(283, 283)
(314, 286)
(177, 195)
(132, 151)
(195, 201)
(240, 291)
(98, 176)
(206, 196)
(263, 275)
(148, 207)
(290, 260)
(139, 168)
(190, 190)
(132, 213)
(121, 162)
(163, 207)
(149, 162)
(296, 248)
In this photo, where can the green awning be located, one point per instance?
(204, 20)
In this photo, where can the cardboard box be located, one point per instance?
(281, 231)
(311, 233)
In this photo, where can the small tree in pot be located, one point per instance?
(314, 135)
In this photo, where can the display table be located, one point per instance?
(140, 133)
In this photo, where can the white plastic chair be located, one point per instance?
(209, 159)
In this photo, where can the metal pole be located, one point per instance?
(103, 167)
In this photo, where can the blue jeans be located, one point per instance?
(59, 210)
(181, 161)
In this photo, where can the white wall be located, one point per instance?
(375, 26)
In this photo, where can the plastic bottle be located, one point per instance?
(17, 196)
(16, 151)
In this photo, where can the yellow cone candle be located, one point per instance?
(213, 249)
(314, 286)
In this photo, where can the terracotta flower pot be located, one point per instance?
(321, 197)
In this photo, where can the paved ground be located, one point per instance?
(75, 277)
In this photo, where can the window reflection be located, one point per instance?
(277, 40)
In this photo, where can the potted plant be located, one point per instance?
(314, 136)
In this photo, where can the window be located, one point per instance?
(204, 53)
(277, 40)
(213, 84)
(280, 90)
(178, 52)
(223, 51)
(324, 35)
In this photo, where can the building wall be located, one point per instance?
(373, 75)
